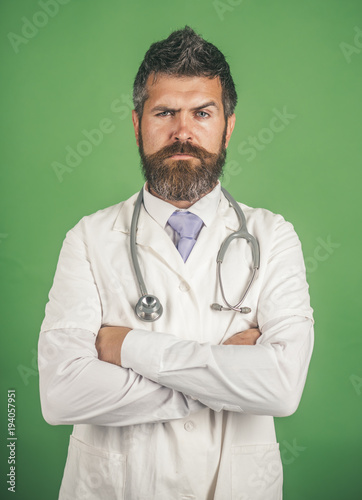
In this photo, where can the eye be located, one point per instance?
(204, 114)
(163, 113)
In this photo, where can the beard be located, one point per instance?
(182, 180)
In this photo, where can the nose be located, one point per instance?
(183, 129)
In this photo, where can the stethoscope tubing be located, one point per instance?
(149, 308)
(133, 231)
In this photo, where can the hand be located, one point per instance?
(109, 343)
(247, 337)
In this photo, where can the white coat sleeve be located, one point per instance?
(265, 379)
(75, 386)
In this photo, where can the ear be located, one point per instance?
(136, 125)
(230, 128)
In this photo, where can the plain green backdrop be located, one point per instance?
(70, 71)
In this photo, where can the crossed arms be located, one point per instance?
(117, 377)
(78, 387)
(110, 339)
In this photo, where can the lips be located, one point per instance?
(181, 154)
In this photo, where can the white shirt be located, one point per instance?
(185, 417)
(161, 210)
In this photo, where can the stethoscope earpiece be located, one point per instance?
(218, 307)
(148, 308)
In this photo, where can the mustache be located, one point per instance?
(182, 148)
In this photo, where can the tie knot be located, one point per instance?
(186, 224)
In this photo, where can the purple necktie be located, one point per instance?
(188, 226)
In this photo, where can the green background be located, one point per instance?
(76, 70)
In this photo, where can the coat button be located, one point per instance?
(189, 426)
(184, 287)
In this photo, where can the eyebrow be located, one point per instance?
(197, 108)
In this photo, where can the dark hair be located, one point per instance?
(184, 53)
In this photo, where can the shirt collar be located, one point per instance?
(161, 210)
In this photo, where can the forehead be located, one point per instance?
(170, 89)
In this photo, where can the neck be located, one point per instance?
(179, 203)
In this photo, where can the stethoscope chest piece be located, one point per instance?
(148, 308)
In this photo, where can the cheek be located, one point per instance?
(153, 137)
(212, 141)
(210, 134)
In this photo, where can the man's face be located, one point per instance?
(182, 136)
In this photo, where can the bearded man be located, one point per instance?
(176, 401)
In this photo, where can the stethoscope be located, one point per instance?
(149, 308)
